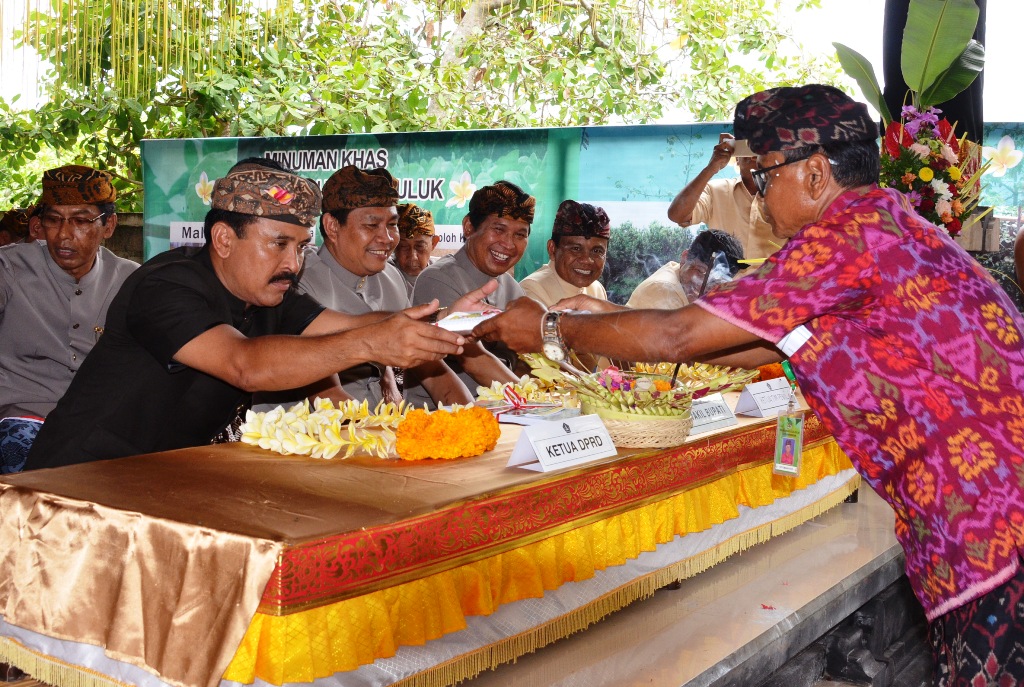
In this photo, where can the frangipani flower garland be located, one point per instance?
(415, 434)
(326, 430)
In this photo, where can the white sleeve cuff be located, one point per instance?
(792, 342)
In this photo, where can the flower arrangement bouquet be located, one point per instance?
(939, 174)
(921, 155)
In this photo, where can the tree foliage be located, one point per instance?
(347, 66)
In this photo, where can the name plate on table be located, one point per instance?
(765, 399)
(556, 445)
(709, 413)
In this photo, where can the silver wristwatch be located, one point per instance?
(551, 337)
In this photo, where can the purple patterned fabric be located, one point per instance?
(916, 366)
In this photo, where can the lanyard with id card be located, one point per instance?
(789, 434)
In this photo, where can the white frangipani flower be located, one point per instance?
(1003, 157)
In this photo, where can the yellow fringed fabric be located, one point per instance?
(51, 671)
(319, 642)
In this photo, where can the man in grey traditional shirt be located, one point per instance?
(417, 239)
(351, 273)
(53, 301)
(496, 230)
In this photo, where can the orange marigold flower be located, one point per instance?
(444, 434)
(771, 371)
(909, 178)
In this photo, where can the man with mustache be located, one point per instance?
(54, 297)
(191, 336)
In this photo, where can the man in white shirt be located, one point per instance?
(54, 296)
(731, 205)
(679, 283)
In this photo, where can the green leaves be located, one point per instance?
(345, 66)
(857, 66)
(957, 77)
(936, 34)
(939, 58)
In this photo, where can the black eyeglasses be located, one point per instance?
(760, 176)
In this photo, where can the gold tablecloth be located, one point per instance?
(216, 561)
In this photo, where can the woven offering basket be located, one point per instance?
(643, 431)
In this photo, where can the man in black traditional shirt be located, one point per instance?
(190, 336)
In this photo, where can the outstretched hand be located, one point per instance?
(518, 327)
(583, 302)
(402, 341)
(474, 300)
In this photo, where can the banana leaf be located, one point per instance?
(857, 66)
(960, 75)
(937, 33)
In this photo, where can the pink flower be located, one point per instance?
(921, 150)
(948, 155)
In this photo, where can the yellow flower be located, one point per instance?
(462, 191)
(926, 174)
(204, 189)
(955, 173)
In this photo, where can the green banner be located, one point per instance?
(633, 172)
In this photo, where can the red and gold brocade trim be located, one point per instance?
(341, 636)
(355, 563)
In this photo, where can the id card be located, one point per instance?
(789, 443)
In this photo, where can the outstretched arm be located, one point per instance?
(682, 335)
(483, 366)
(273, 363)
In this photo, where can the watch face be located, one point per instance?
(554, 352)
